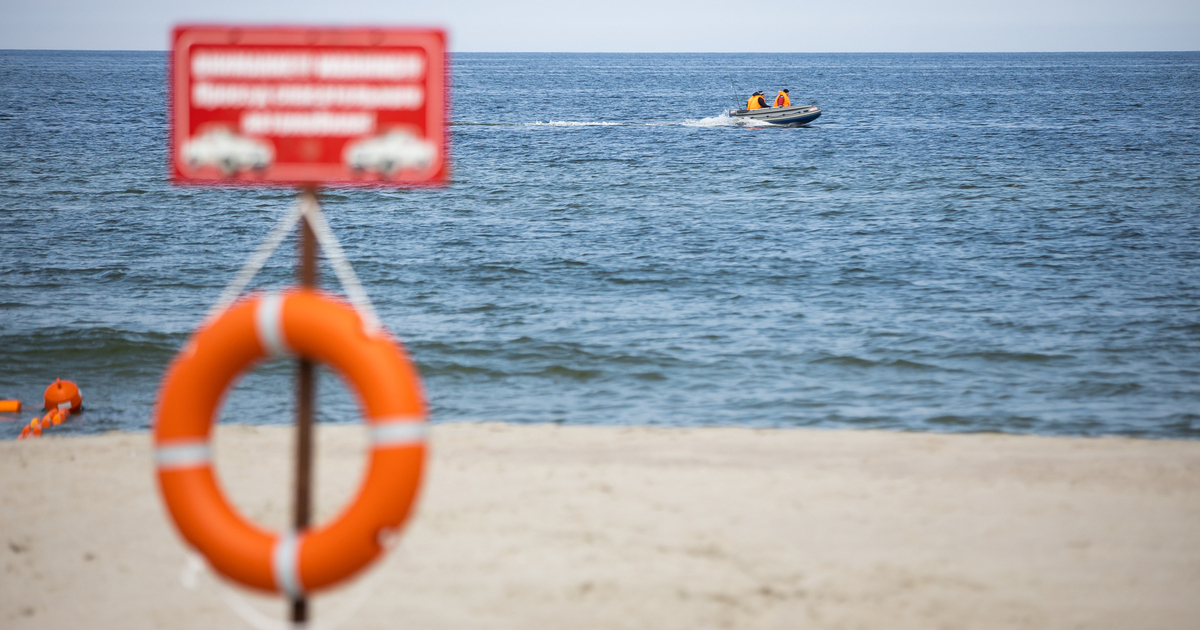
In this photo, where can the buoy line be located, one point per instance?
(62, 398)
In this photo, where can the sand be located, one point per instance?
(548, 527)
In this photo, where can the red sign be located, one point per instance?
(299, 105)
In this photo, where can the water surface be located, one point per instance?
(977, 242)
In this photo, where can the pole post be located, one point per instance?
(306, 394)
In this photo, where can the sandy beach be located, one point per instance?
(531, 527)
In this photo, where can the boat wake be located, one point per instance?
(721, 120)
(571, 123)
(725, 120)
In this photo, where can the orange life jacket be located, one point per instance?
(782, 100)
(756, 102)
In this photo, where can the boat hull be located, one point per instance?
(796, 115)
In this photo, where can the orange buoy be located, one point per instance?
(36, 426)
(63, 395)
(318, 327)
(55, 416)
(10, 406)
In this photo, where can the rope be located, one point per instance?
(308, 208)
(341, 266)
(195, 568)
(283, 227)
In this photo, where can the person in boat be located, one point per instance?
(782, 100)
(756, 101)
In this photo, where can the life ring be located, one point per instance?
(309, 324)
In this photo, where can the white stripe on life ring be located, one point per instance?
(183, 455)
(268, 324)
(398, 431)
(285, 563)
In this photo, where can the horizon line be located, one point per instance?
(685, 52)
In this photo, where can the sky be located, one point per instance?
(643, 25)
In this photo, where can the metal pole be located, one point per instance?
(306, 393)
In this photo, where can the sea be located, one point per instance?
(960, 243)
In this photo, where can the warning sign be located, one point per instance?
(301, 106)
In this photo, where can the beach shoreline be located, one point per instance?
(549, 526)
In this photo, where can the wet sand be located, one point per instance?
(531, 527)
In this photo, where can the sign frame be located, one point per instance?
(357, 166)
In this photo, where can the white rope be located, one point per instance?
(308, 208)
(341, 266)
(282, 228)
(195, 568)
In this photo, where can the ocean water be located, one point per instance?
(1003, 242)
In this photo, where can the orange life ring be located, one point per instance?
(318, 327)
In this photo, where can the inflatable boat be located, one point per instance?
(795, 115)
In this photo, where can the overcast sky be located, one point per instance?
(644, 25)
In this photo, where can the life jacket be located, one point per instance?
(756, 102)
(782, 100)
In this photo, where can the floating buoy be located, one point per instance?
(63, 395)
(10, 406)
(34, 429)
(54, 417)
(315, 326)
